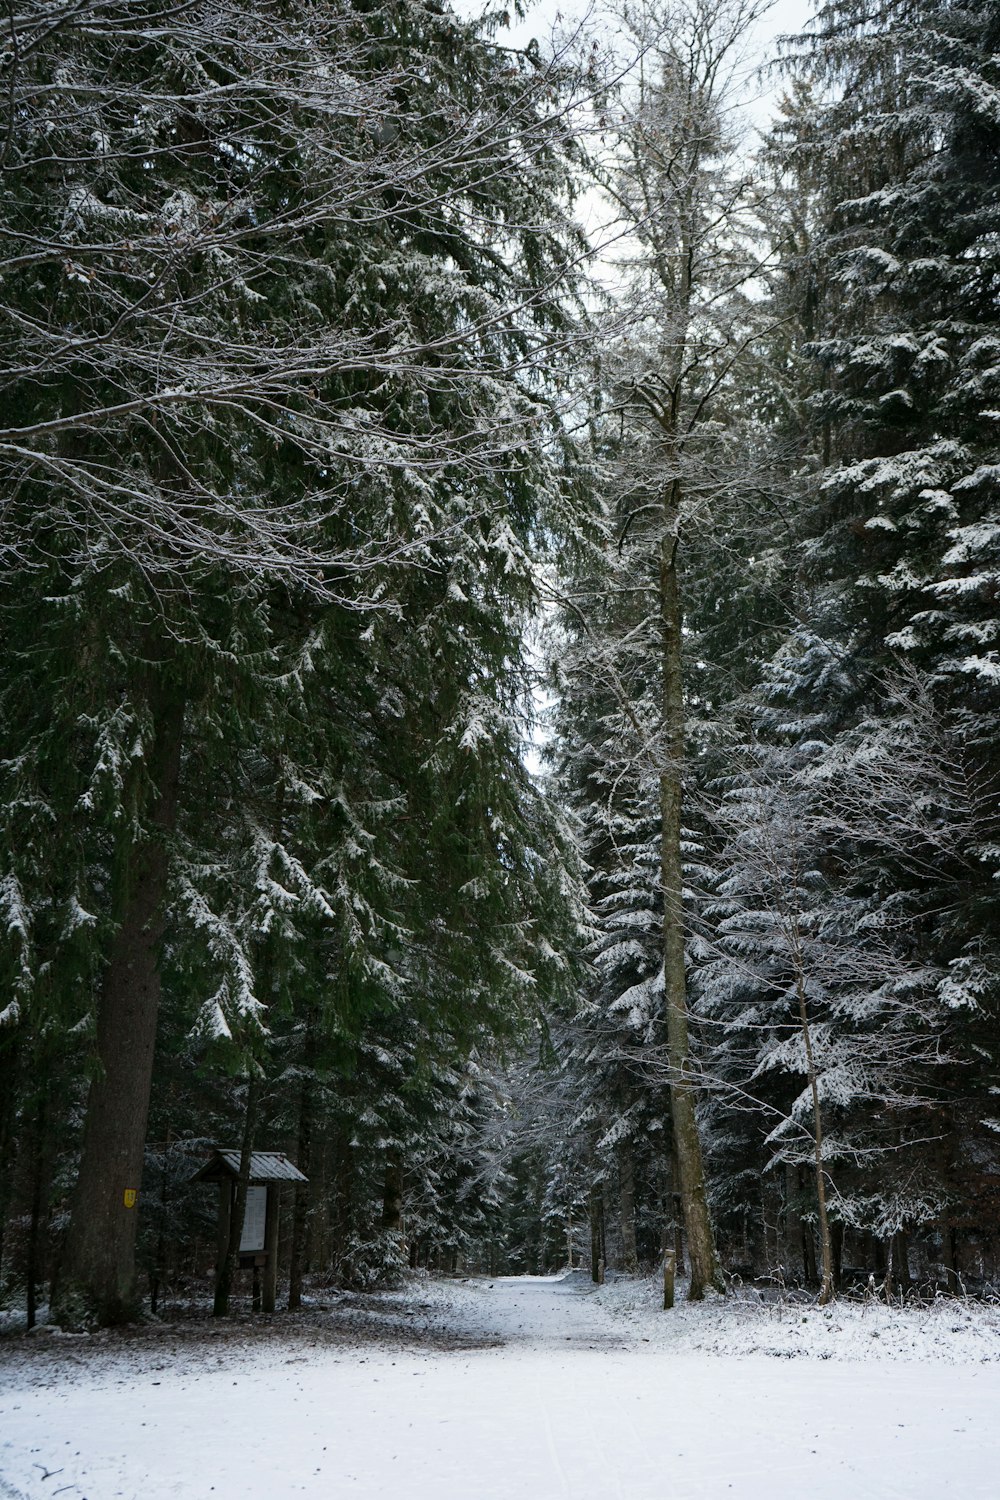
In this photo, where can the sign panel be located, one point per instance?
(253, 1221)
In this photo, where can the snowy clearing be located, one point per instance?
(534, 1387)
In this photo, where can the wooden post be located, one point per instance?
(669, 1267)
(596, 1232)
(222, 1234)
(626, 1199)
(271, 1216)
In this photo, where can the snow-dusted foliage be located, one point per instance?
(839, 536)
(287, 302)
(303, 411)
(869, 740)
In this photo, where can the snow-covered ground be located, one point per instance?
(521, 1389)
(949, 1329)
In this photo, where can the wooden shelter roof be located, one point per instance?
(265, 1166)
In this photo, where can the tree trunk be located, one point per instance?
(97, 1279)
(669, 1271)
(392, 1207)
(828, 1288)
(392, 1193)
(626, 1199)
(303, 1190)
(702, 1256)
(597, 1262)
(837, 1244)
(231, 1259)
(810, 1275)
(949, 1258)
(159, 1272)
(343, 1208)
(38, 1179)
(319, 1217)
(272, 1230)
(874, 1256)
(538, 1259)
(903, 1262)
(794, 1230)
(10, 1049)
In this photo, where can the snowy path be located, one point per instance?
(573, 1404)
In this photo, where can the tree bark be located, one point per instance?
(807, 1244)
(38, 1177)
(392, 1203)
(626, 1199)
(597, 1262)
(303, 1190)
(949, 1258)
(392, 1192)
(837, 1243)
(343, 1208)
(97, 1280)
(669, 1271)
(272, 1229)
(702, 1256)
(10, 1049)
(159, 1272)
(809, 1273)
(828, 1288)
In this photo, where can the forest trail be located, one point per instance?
(543, 1394)
(540, 1311)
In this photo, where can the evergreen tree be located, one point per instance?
(260, 734)
(885, 190)
(676, 181)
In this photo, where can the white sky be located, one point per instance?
(784, 17)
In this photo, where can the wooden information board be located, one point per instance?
(253, 1221)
